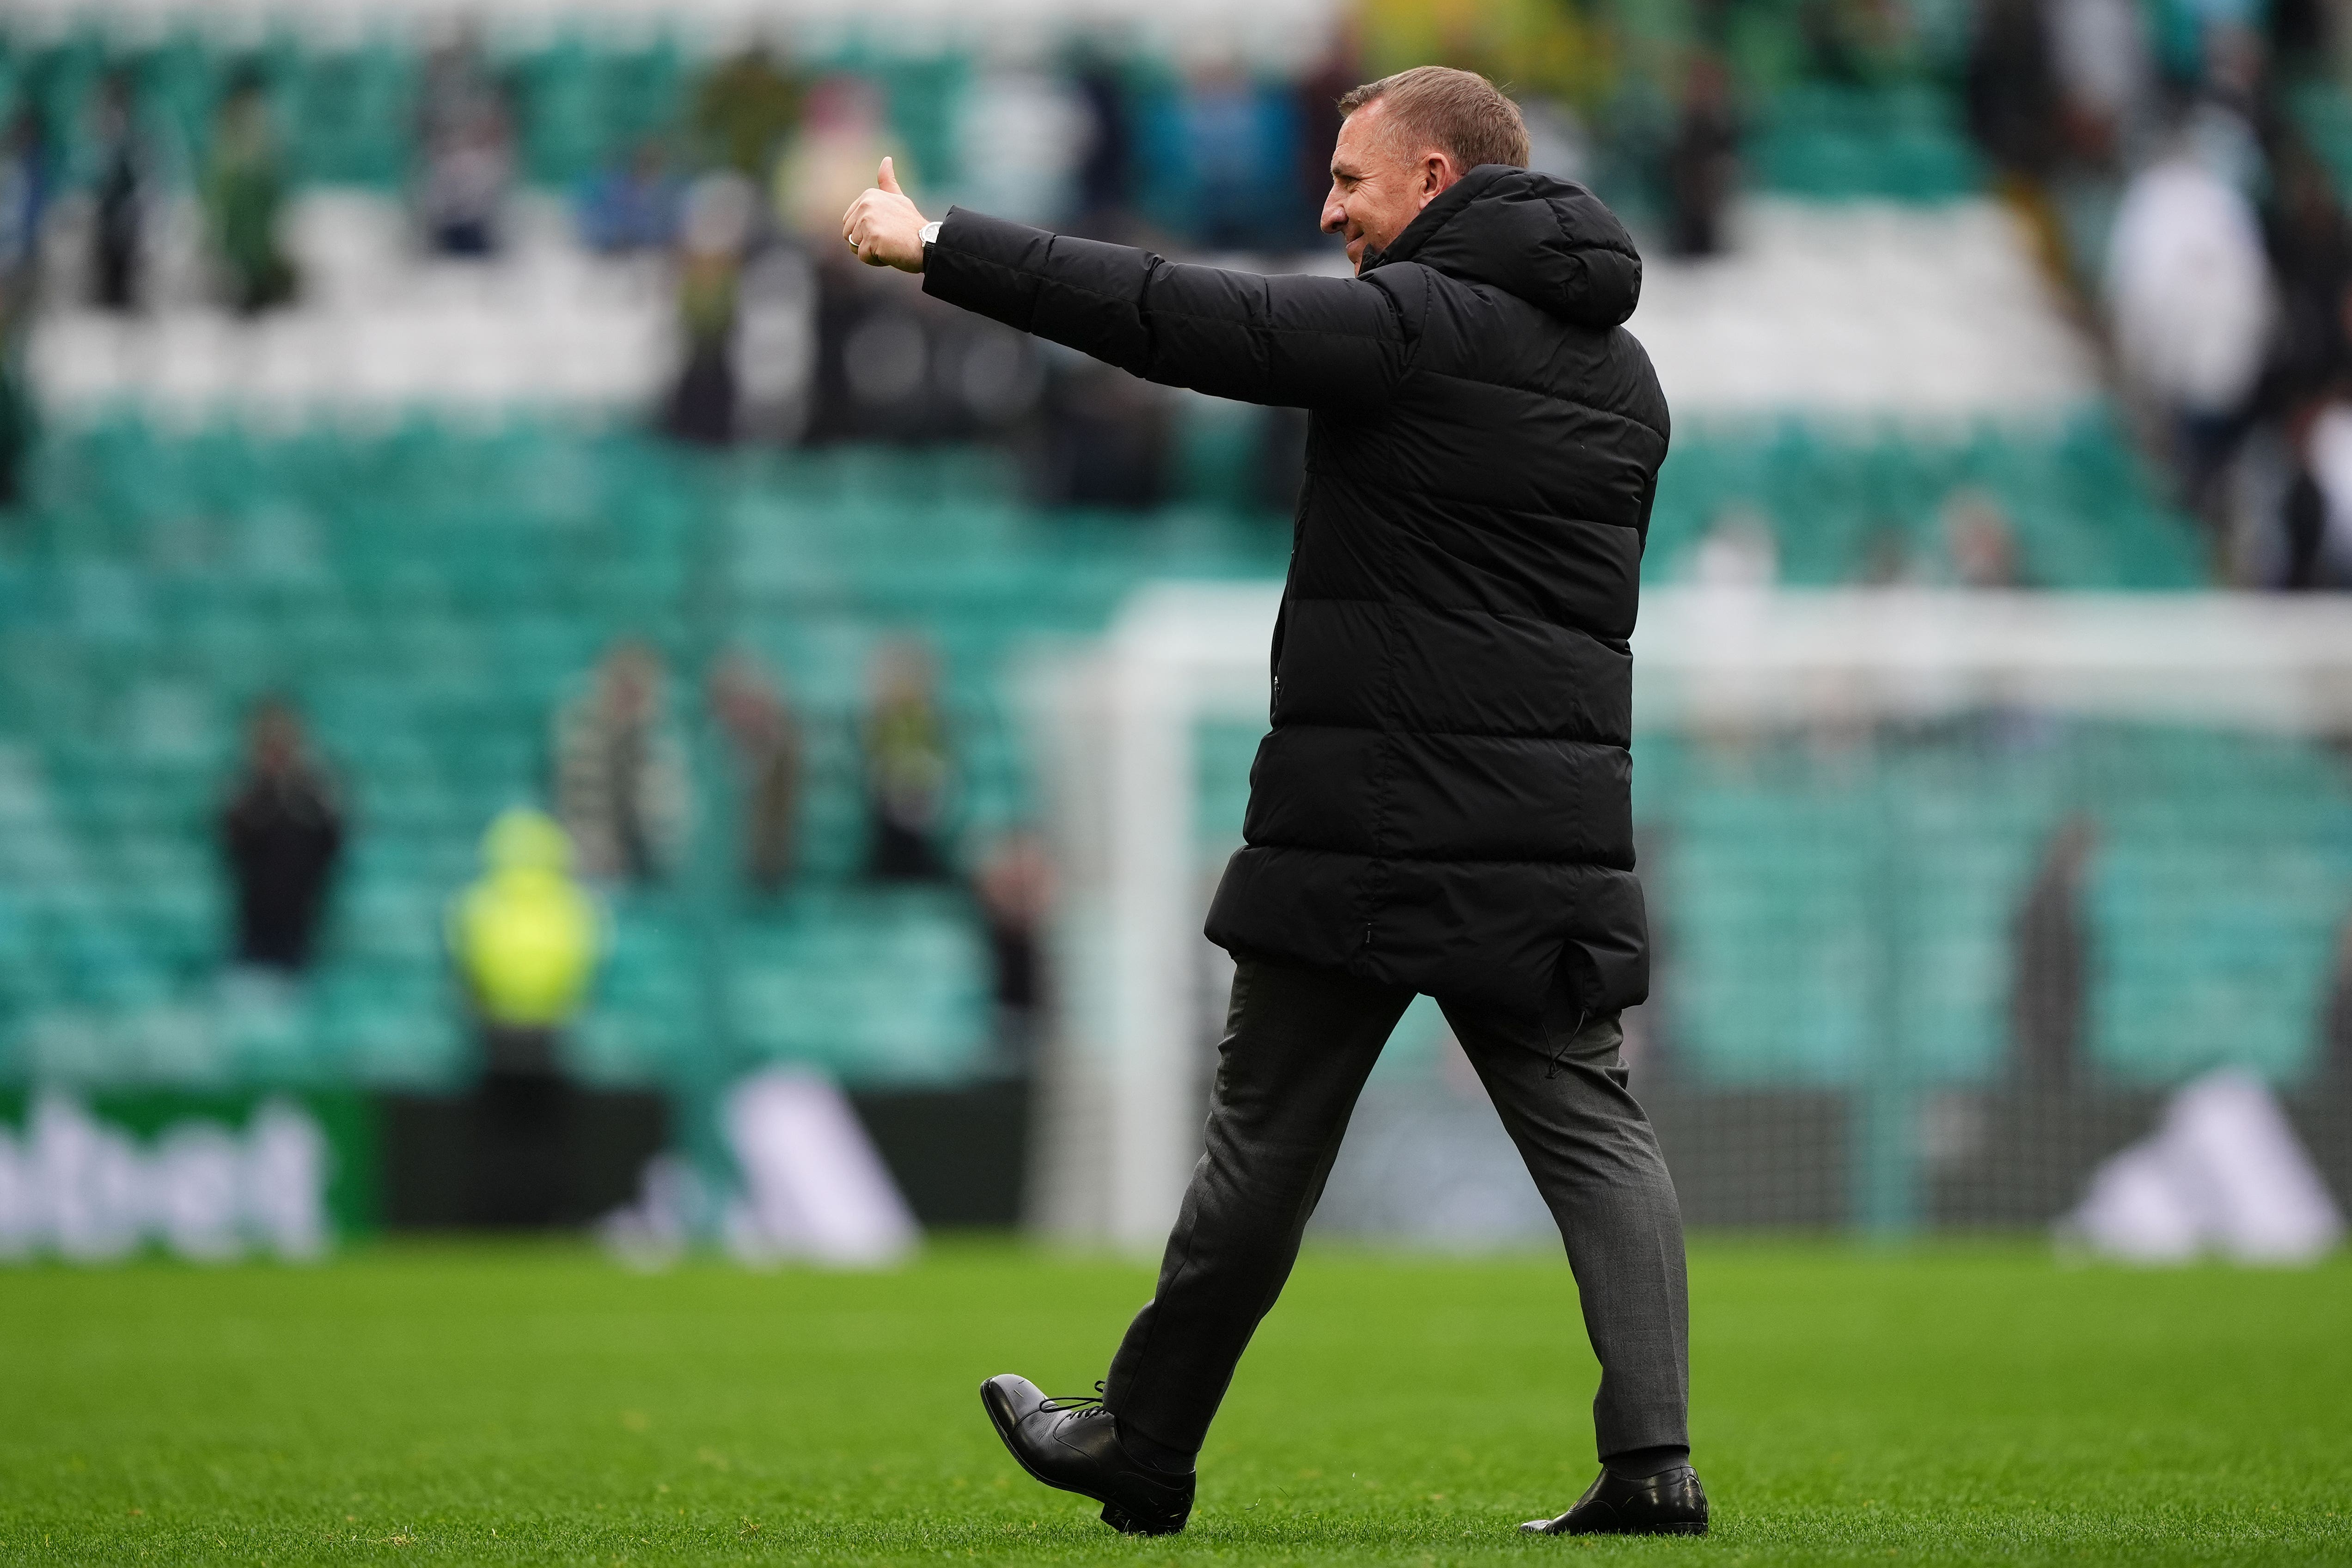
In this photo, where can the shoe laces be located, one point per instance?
(1079, 1405)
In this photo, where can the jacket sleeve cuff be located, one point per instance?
(985, 264)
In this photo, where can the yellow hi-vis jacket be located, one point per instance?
(525, 936)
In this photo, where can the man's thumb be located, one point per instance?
(889, 180)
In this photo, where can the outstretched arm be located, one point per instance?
(1302, 341)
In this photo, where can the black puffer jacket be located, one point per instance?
(1444, 800)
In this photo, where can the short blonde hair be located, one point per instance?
(1460, 113)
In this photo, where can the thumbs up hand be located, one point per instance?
(883, 226)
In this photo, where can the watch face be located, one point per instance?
(930, 231)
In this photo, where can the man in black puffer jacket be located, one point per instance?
(1442, 804)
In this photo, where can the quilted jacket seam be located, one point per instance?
(1548, 396)
(1461, 734)
(1496, 507)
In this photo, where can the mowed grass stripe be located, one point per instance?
(483, 1403)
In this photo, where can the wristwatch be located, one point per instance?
(930, 233)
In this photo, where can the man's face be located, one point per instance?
(1380, 182)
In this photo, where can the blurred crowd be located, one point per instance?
(2175, 164)
(736, 190)
(2171, 157)
(526, 941)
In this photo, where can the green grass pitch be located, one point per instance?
(522, 1403)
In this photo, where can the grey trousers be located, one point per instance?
(1299, 1044)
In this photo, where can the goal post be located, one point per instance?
(1118, 1125)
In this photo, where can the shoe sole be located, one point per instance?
(1698, 1528)
(1117, 1518)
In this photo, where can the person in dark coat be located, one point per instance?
(1703, 162)
(1442, 804)
(282, 832)
(2050, 937)
(125, 179)
(907, 767)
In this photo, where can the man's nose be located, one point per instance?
(1335, 213)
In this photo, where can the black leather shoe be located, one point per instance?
(1074, 1443)
(1672, 1503)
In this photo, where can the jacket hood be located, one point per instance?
(1549, 241)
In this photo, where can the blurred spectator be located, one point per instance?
(18, 421)
(907, 767)
(2302, 31)
(2225, 124)
(1015, 887)
(1106, 184)
(874, 370)
(776, 344)
(2052, 946)
(1703, 164)
(1240, 143)
(2013, 91)
(745, 111)
(24, 200)
(767, 741)
(620, 775)
(1980, 545)
(245, 189)
(717, 231)
(2189, 294)
(2312, 255)
(632, 205)
(525, 940)
(2105, 76)
(842, 140)
(2336, 1015)
(466, 135)
(282, 832)
(125, 187)
(2315, 522)
(1020, 138)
